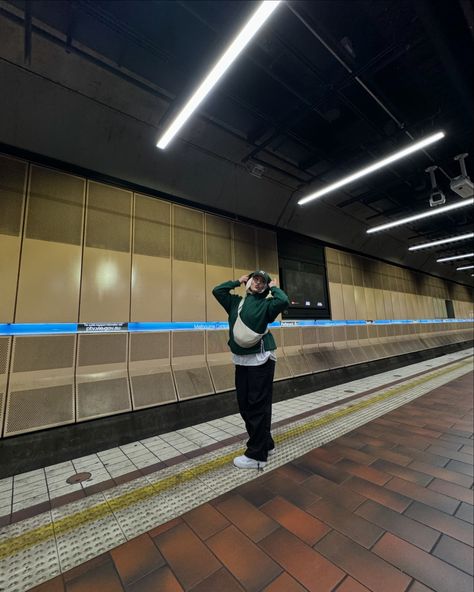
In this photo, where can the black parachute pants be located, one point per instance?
(254, 385)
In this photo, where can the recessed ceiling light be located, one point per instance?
(454, 257)
(259, 17)
(465, 267)
(452, 239)
(431, 212)
(374, 167)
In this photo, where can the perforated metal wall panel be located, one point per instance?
(106, 262)
(219, 361)
(219, 266)
(192, 382)
(218, 241)
(150, 346)
(217, 343)
(267, 251)
(310, 342)
(12, 200)
(108, 217)
(189, 365)
(152, 236)
(188, 278)
(354, 345)
(55, 206)
(282, 368)
(294, 351)
(50, 272)
(150, 369)
(102, 349)
(102, 397)
(380, 337)
(4, 354)
(365, 344)
(43, 352)
(5, 344)
(101, 375)
(188, 234)
(12, 189)
(41, 387)
(188, 344)
(245, 252)
(151, 261)
(342, 352)
(47, 352)
(149, 390)
(326, 346)
(36, 409)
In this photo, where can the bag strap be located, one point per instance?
(241, 303)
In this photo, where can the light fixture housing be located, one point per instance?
(427, 214)
(374, 167)
(464, 267)
(442, 241)
(455, 257)
(256, 21)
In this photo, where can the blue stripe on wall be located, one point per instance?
(62, 328)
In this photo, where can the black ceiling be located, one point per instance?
(326, 87)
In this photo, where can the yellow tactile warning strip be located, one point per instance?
(41, 534)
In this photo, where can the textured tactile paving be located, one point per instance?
(33, 551)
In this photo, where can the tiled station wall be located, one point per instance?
(362, 288)
(73, 250)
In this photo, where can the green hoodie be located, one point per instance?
(256, 313)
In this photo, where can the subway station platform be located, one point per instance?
(370, 489)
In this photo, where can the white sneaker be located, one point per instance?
(244, 462)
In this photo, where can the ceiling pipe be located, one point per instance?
(285, 128)
(400, 124)
(313, 32)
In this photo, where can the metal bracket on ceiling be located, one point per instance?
(70, 27)
(28, 29)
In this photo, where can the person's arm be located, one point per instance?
(222, 293)
(277, 303)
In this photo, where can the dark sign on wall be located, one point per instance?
(303, 277)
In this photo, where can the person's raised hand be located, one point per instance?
(272, 284)
(244, 279)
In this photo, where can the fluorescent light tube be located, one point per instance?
(431, 212)
(454, 257)
(374, 167)
(260, 16)
(442, 241)
(465, 267)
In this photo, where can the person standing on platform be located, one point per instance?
(253, 354)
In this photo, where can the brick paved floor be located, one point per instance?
(385, 508)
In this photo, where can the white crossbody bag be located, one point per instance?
(243, 335)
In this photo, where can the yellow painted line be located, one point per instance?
(68, 523)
